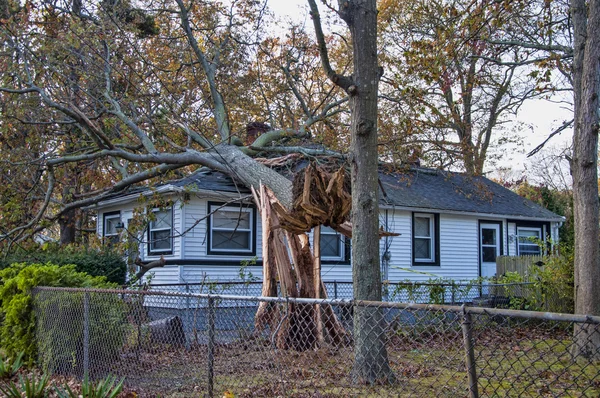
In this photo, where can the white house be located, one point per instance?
(450, 225)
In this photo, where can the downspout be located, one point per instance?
(386, 255)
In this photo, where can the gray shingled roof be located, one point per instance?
(210, 180)
(419, 188)
(440, 190)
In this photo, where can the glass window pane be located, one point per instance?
(529, 250)
(237, 240)
(163, 220)
(110, 227)
(231, 219)
(489, 254)
(160, 240)
(330, 246)
(422, 225)
(327, 230)
(525, 233)
(422, 249)
(488, 236)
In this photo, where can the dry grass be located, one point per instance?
(539, 366)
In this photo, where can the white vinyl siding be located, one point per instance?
(196, 239)
(459, 249)
(195, 224)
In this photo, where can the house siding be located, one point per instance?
(195, 239)
(458, 254)
(459, 247)
(208, 273)
(512, 240)
(458, 257)
(169, 274)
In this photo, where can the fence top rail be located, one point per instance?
(456, 284)
(548, 316)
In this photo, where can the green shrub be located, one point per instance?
(106, 388)
(553, 284)
(28, 387)
(63, 319)
(556, 281)
(10, 366)
(17, 330)
(104, 262)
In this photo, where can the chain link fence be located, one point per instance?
(173, 344)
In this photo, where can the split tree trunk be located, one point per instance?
(299, 326)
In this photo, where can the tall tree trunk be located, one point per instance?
(586, 78)
(68, 221)
(371, 364)
(68, 227)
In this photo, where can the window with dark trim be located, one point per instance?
(335, 247)
(528, 241)
(231, 229)
(160, 232)
(425, 239)
(111, 222)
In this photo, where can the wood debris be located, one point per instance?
(296, 326)
(320, 198)
(279, 161)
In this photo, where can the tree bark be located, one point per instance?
(371, 364)
(267, 313)
(68, 227)
(251, 173)
(586, 77)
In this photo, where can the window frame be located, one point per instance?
(540, 232)
(160, 252)
(344, 247)
(213, 207)
(111, 239)
(434, 239)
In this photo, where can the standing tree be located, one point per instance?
(370, 363)
(586, 88)
(564, 37)
(455, 79)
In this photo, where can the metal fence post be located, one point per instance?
(470, 353)
(335, 289)
(188, 316)
(453, 287)
(211, 346)
(86, 334)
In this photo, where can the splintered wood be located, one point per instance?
(320, 198)
(296, 326)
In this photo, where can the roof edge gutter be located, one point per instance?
(128, 198)
(223, 195)
(559, 219)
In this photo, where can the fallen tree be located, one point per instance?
(113, 97)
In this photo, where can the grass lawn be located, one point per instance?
(431, 365)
